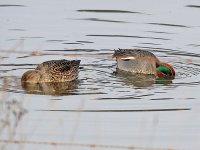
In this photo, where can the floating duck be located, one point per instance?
(142, 62)
(53, 71)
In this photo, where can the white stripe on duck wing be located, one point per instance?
(136, 61)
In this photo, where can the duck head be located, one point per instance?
(165, 70)
(31, 76)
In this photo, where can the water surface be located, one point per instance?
(102, 109)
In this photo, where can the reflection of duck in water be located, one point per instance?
(50, 88)
(142, 62)
(53, 71)
(137, 80)
(140, 80)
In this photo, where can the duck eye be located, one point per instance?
(167, 72)
(170, 73)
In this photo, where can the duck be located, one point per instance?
(139, 61)
(53, 71)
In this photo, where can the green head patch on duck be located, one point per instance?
(165, 69)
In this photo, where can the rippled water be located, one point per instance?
(102, 109)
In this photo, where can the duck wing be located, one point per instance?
(136, 61)
(126, 54)
(59, 70)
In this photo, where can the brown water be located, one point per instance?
(102, 109)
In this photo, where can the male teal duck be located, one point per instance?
(53, 71)
(142, 61)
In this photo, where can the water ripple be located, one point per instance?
(170, 25)
(104, 20)
(108, 11)
(193, 6)
(111, 110)
(127, 36)
(7, 5)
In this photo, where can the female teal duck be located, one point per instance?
(53, 71)
(142, 61)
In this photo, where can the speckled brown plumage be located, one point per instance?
(53, 71)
